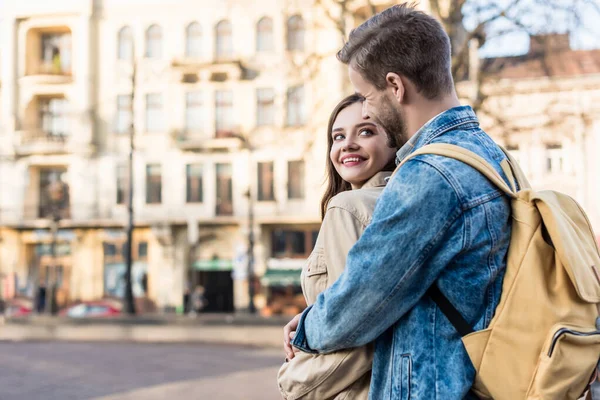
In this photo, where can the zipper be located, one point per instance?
(564, 331)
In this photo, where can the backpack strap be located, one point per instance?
(454, 316)
(467, 157)
(516, 170)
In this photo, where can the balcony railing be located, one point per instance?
(52, 69)
(40, 141)
(197, 140)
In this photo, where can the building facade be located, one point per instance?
(228, 104)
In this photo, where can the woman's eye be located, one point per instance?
(338, 137)
(366, 132)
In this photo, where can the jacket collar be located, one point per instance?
(438, 125)
(377, 180)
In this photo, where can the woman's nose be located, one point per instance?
(350, 144)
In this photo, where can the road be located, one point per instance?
(123, 371)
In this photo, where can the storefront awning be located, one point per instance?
(213, 265)
(281, 277)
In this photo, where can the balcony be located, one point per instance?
(190, 140)
(48, 56)
(38, 141)
(47, 73)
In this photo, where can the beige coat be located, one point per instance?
(344, 374)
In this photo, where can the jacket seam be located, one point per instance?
(448, 177)
(353, 212)
(491, 269)
(450, 125)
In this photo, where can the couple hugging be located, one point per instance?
(392, 237)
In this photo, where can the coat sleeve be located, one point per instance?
(416, 230)
(323, 376)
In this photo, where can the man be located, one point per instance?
(438, 222)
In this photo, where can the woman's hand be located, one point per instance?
(289, 331)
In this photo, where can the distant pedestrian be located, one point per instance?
(199, 302)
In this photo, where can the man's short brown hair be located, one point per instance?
(405, 41)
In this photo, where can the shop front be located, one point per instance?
(283, 291)
(214, 278)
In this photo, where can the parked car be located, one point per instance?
(16, 308)
(92, 309)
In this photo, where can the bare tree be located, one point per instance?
(471, 24)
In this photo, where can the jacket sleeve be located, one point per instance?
(323, 376)
(416, 230)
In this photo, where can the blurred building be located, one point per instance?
(225, 98)
(544, 107)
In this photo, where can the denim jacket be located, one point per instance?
(438, 221)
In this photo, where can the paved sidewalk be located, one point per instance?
(248, 385)
(243, 330)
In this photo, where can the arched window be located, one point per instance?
(264, 34)
(224, 42)
(295, 33)
(154, 42)
(125, 44)
(193, 40)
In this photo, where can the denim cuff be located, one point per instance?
(299, 340)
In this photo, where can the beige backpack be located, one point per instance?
(543, 342)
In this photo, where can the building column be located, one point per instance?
(84, 72)
(8, 43)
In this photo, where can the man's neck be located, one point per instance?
(422, 111)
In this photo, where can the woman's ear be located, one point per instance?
(394, 83)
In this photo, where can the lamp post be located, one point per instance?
(250, 256)
(251, 306)
(129, 300)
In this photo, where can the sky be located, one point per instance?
(505, 38)
(544, 16)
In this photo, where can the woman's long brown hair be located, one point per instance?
(335, 183)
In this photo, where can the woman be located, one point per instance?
(358, 163)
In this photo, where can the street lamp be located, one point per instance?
(250, 268)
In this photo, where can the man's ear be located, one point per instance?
(396, 85)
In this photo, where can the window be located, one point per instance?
(223, 112)
(142, 250)
(264, 35)
(53, 193)
(265, 107)
(124, 113)
(122, 184)
(266, 191)
(56, 53)
(295, 33)
(292, 243)
(554, 158)
(193, 40)
(154, 42)
(296, 179)
(193, 174)
(193, 112)
(125, 45)
(153, 184)
(53, 116)
(224, 41)
(115, 254)
(224, 189)
(295, 106)
(155, 121)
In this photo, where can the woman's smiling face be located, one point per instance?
(360, 147)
